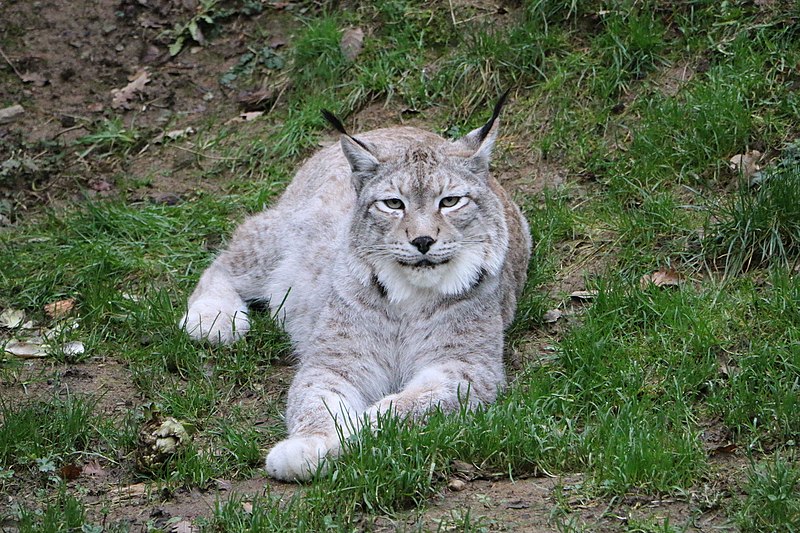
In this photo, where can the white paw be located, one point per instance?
(210, 320)
(299, 458)
(382, 409)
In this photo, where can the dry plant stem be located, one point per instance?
(10, 64)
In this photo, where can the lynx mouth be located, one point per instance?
(423, 263)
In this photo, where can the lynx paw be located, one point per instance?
(210, 320)
(299, 458)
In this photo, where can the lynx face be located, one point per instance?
(427, 220)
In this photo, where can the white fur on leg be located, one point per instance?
(299, 458)
(217, 320)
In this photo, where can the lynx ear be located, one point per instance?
(358, 155)
(357, 152)
(481, 141)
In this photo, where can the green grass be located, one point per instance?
(773, 497)
(46, 430)
(627, 385)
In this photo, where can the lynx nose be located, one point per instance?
(423, 244)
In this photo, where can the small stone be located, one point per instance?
(11, 113)
(456, 485)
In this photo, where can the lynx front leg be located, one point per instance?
(320, 407)
(444, 387)
(217, 312)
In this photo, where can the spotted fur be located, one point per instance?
(388, 309)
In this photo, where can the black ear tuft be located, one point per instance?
(484, 131)
(334, 121)
(338, 126)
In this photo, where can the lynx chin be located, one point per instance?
(395, 260)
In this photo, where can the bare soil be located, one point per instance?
(61, 62)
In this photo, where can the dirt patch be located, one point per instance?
(63, 62)
(106, 381)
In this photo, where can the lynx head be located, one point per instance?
(426, 220)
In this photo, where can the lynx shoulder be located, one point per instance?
(395, 260)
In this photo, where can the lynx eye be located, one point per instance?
(449, 201)
(394, 203)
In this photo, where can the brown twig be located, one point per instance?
(10, 64)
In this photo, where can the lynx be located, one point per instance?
(395, 261)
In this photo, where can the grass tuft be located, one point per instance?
(760, 225)
(773, 497)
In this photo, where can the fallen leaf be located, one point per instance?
(456, 485)
(552, 316)
(352, 42)
(250, 115)
(69, 472)
(246, 117)
(173, 134)
(93, 468)
(26, 350)
(746, 164)
(121, 98)
(60, 308)
(258, 100)
(724, 449)
(247, 507)
(36, 79)
(184, 526)
(12, 318)
(276, 42)
(135, 489)
(61, 326)
(584, 296)
(100, 185)
(661, 278)
(517, 504)
(73, 348)
(11, 113)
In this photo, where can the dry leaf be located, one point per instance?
(456, 485)
(517, 504)
(247, 507)
(73, 348)
(661, 278)
(552, 316)
(258, 100)
(11, 113)
(121, 98)
(36, 79)
(12, 318)
(100, 185)
(746, 164)
(60, 309)
(246, 117)
(250, 115)
(93, 468)
(724, 449)
(184, 526)
(352, 42)
(69, 472)
(276, 42)
(26, 350)
(129, 492)
(584, 296)
(173, 135)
